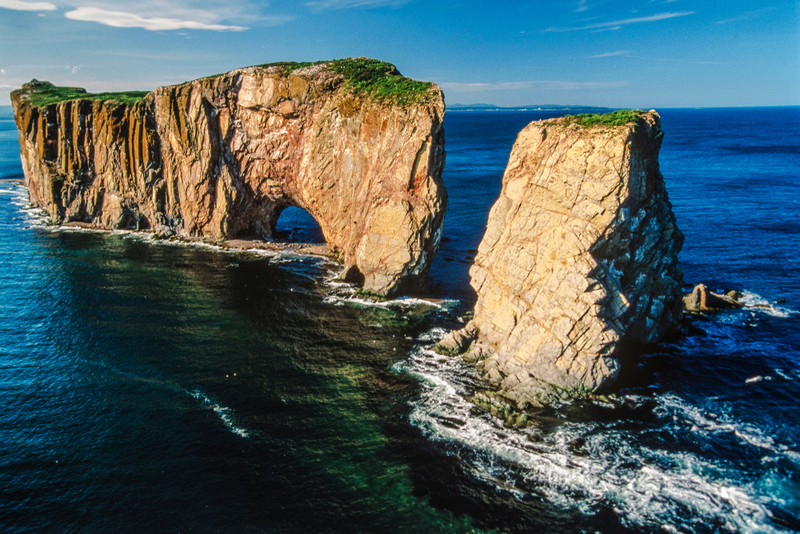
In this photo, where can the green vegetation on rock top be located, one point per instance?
(45, 93)
(615, 118)
(291, 66)
(378, 79)
(381, 81)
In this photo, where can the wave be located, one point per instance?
(35, 217)
(224, 413)
(781, 374)
(759, 304)
(342, 293)
(587, 466)
(402, 302)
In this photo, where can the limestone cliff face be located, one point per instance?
(579, 256)
(223, 156)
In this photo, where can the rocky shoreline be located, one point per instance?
(242, 244)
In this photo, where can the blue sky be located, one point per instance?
(641, 53)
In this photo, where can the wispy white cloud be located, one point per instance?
(747, 15)
(610, 54)
(343, 4)
(121, 19)
(528, 84)
(622, 22)
(18, 5)
(581, 6)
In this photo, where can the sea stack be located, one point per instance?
(579, 257)
(352, 142)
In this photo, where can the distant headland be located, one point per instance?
(532, 107)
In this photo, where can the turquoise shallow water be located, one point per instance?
(160, 388)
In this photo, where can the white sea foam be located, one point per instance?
(343, 293)
(787, 375)
(719, 423)
(757, 303)
(583, 465)
(402, 302)
(35, 217)
(434, 334)
(223, 412)
(755, 379)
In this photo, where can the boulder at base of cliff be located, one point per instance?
(580, 254)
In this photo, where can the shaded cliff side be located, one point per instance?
(352, 142)
(579, 257)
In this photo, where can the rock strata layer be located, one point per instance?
(222, 156)
(579, 257)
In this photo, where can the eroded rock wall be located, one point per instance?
(87, 160)
(223, 156)
(579, 256)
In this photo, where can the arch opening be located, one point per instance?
(296, 225)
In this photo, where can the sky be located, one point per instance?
(635, 54)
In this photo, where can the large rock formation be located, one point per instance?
(579, 256)
(350, 141)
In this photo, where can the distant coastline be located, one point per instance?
(594, 109)
(536, 107)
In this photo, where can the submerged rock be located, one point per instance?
(579, 256)
(352, 142)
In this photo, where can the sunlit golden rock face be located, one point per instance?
(222, 156)
(579, 257)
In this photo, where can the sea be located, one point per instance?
(162, 387)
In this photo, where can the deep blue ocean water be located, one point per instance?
(149, 387)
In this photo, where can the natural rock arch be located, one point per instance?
(223, 155)
(298, 226)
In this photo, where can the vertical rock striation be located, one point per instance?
(222, 156)
(579, 256)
